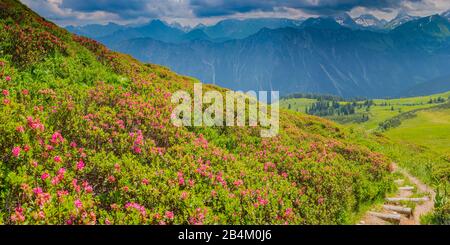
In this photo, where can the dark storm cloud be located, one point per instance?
(207, 8)
(79, 11)
(124, 8)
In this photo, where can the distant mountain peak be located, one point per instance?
(321, 23)
(344, 19)
(446, 14)
(368, 20)
(435, 26)
(401, 18)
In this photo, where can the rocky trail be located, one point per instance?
(411, 202)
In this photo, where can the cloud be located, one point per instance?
(191, 11)
(206, 8)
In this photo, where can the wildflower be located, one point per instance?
(35, 124)
(25, 92)
(145, 182)
(238, 183)
(184, 195)
(137, 150)
(18, 215)
(57, 159)
(61, 171)
(55, 180)
(136, 206)
(8, 78)
(169, 215)
(262, 201)
(20, 129)
(111, 179)
(6, 101)
(288, 212)
(37, 191)
(80, 165)
(16, 151)
(73, 144)
(78, 204)
(44, 176)
(88, 189)
(107, 222)
(34, 164)
(41, 215)
(180, 178)
(57, 138)
(5, 92)
(26, 148)
(320, 200)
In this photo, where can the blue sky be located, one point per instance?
(192, 12)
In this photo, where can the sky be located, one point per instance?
(193, 12)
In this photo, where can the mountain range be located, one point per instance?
(340, 55)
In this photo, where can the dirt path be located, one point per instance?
(393, 212)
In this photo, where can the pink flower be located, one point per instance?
(61, 171)
(37, 191)
(184, 195)
(35, 124)
(57, 159)
(16, 151)
(26, 148)
(238, 183)
(5, 92)
(137, 150)
(20, 129)
(320, 200)
(145, 182)
(288, 212)
(169, 215)
(8, 78)
(57, 138)
(73, 144)
(88, 189)
(25, 92)
(80, 165)
(44, 176)
(6, 101)
(78, 204)
(111, 179)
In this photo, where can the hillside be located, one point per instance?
(380, 111)
(414, 132)
(87, 139)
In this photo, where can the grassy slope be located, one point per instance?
(378, 113)
(86, 138)
(430, 128)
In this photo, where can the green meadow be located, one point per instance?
(430, 128)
